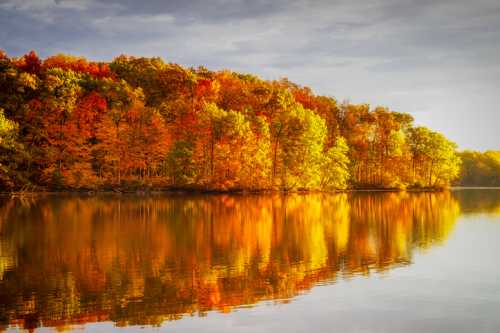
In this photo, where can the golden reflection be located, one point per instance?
(143, 260)
(479, 201)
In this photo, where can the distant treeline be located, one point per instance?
(69, 123)
(480, 169)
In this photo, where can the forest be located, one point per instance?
(480, 169)
(67, 123)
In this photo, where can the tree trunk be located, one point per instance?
(275, 155)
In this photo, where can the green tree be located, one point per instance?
(301, 151)
(335, 166)
(480, 169)
(12, 154)
(435, 162)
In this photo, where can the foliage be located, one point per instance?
(335, 168)
(69, 123)
(480, 169)
(11, 153)
(435, 162)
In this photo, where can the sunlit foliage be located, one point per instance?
(139, 122)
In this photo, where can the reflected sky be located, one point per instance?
(224, 262)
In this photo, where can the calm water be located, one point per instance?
(367, 262)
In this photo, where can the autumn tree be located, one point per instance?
(12, 154)
(480, 169)
(70, 123)
(335, 166)
(434, 158)
(299, 136)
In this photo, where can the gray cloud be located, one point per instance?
(435, 59)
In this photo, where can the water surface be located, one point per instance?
(361, 262)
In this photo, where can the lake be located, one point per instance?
(351, 262)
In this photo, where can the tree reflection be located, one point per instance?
(479, 200)
(144, 260)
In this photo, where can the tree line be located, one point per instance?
(480, 169)
(70, 123)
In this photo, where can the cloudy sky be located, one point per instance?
(436, 59)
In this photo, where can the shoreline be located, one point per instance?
(211, 192)
(178, 191)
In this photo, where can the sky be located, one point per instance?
(438, 60)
